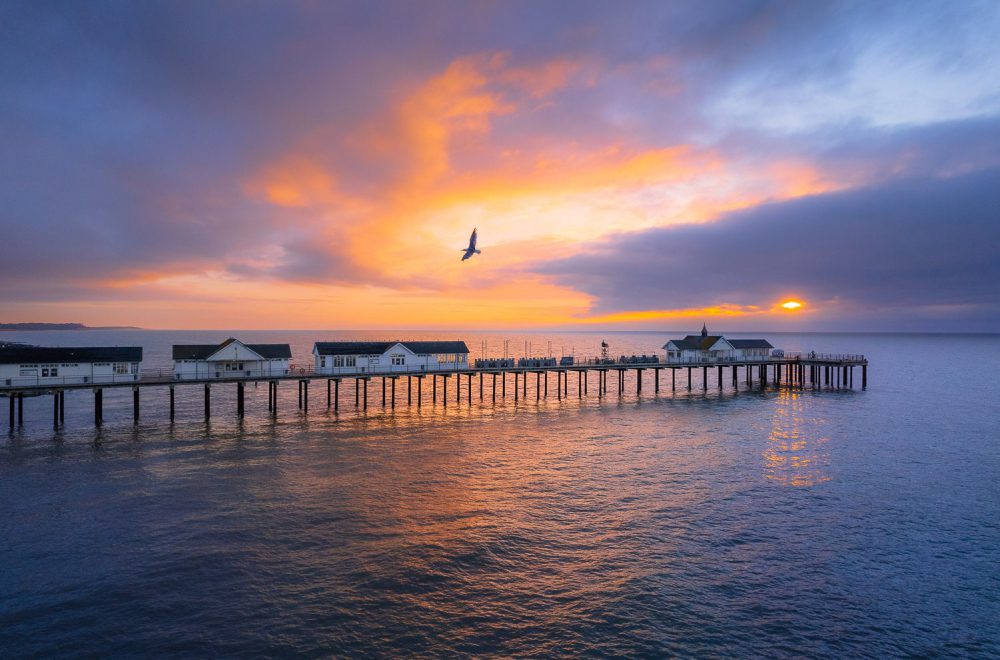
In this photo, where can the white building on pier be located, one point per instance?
(230, 359)
(23, 365)
(716, 348)
(359, 357)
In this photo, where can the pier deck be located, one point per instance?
(802, 371)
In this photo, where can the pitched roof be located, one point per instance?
(695, 342)
(20, 353)
(431, 347)
(379, 347)
(203, 351)
(352, 347)
(750, 343)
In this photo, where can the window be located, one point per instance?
(398, 360)
(322, 361)
(344, 361)
(45, 373)
(120, 368)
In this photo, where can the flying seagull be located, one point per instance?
(471, 250)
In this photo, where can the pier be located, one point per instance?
(802, 371)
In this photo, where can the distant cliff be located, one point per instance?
(61, 326)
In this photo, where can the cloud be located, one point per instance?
(909, 245)
(152, 149)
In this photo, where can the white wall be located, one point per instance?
(374, 364)
(67, 373)
(200, 369)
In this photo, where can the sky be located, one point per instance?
(628, 165)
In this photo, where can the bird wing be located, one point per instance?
(472, 240)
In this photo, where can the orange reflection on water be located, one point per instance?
(795, 456)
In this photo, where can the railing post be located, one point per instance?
(98, 405)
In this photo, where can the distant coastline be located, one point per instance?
(63, 326)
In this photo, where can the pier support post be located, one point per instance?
(393, 400)
(689, 378)
(656, 381)
(458, 388)
(55, 408)
(704, 378)
(517, 390)
(480, 384)
(469, 390)
(409, 390)
(240, 399)
(172, 403)
(719, 377)
(357, 392)
(383, 391)
(98, 407)
(864, 376)
(305, 395)
(329, 394)
(538, 385)
(336, 394)
(434, 388)
(135, 405)
(420, 382)
(10, 403)
(208, 400)
(444, 389)
(493, 390)
(366, 394)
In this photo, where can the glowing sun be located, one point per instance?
(792, 305)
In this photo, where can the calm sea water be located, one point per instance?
(763, 523)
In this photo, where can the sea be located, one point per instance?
(708, 522)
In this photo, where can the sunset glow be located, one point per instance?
(636, 187)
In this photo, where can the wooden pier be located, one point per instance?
(810, 371)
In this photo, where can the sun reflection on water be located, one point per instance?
(796, 455)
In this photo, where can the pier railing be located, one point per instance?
(833, 357)
(166, 375)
